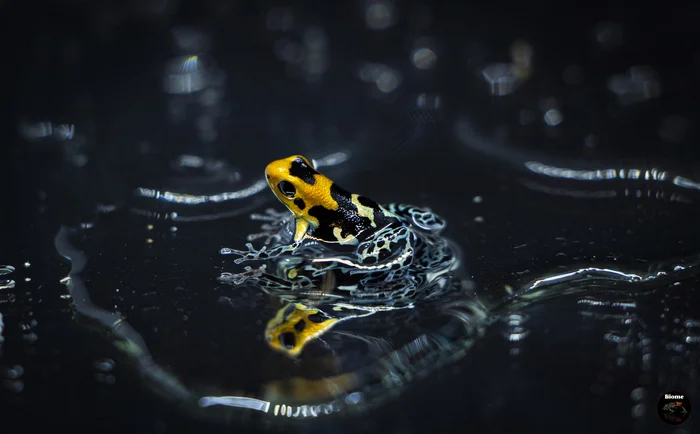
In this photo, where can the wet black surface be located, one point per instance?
(592, 354)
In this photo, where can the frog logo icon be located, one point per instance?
(674, 408)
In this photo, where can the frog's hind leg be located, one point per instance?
(423, 218)
(389, 251)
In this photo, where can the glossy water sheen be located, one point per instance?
(569, 190)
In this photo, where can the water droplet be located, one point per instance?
(380, 15)
(553, 117)
(423, 58)
(388, 81)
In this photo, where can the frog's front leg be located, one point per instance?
(422, 218)
(253, 254)
(274, 228)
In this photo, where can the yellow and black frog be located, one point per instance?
(338, 247)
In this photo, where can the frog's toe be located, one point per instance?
(268, 234)
(428, 221)
(228, 251)
(270, 215)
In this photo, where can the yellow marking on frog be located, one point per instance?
(302, 228)
(296, 339)
(362, 210)
(338, 234)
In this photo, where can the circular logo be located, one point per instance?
(674, 408)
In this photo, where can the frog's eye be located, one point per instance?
(287, 189)
(288, 340)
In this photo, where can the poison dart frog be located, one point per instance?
(335, 242)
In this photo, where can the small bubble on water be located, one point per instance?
(479, 219)
(30, 337)
(173, 229)
(477, 199)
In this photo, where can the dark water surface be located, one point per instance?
(559, 147)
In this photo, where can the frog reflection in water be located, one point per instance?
(338, 246)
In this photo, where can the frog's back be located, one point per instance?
(354, 218)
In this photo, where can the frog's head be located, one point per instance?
(299, 186)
